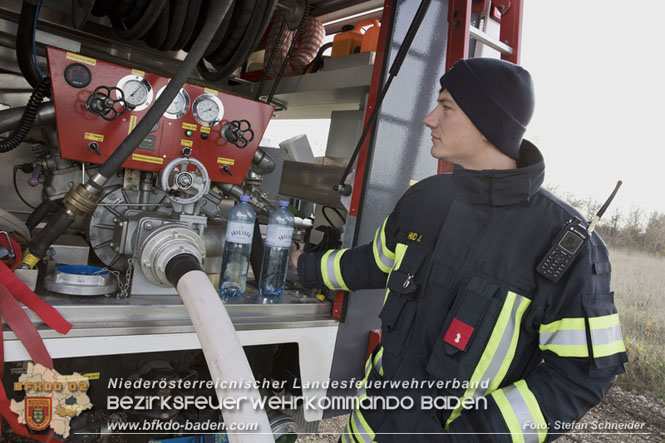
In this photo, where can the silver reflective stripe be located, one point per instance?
(606, 335)
(566, 337)
(385, 260)
(330, 267)
(522, 413)
(379, 364)
(501, 351)
(364, 437)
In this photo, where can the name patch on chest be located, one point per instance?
(414, 236)
(458, 334)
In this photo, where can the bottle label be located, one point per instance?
(279, 236)
(238, 232)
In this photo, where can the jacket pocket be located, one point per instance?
(466, 330)
(400, 306)
(607, 346)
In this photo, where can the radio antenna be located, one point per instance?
(603, 208)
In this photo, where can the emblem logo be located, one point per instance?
(38, 412)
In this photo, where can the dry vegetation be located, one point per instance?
(638, 280)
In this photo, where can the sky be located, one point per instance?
(598, 68)
(599, 82)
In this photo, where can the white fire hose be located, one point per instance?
(225, 356)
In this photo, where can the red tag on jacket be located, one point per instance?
(458, 334)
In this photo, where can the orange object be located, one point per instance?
(371, 35)
(347, 41)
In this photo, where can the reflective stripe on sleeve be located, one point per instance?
(565, 337)
(361, 430)
(378, 361)
(384, 257)
(606, 337)
(498, 353)
(331, 270)
(521, 412)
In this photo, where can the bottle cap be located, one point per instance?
(244, 198)
(283, 203)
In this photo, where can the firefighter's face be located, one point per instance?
(455, 138)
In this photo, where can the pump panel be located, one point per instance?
(222, 131)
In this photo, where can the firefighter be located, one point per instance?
(465, 309)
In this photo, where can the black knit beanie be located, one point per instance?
(497, 96)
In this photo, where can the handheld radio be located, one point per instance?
(568, 243)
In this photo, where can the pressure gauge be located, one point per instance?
(137, 91)
(179, 106)
(208, 110)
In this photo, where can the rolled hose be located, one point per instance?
(257, 25)
(27, 119)
(63, 219)
(220, 344)
(24, 45)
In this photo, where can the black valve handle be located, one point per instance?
(238, 132)
(102, 104)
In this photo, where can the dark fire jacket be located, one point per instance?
(465, 307)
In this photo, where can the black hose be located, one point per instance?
(62, 220)
(122, 152)
(180, 265)
(285, 63)
(243, 51)
(143, 24)
(160, 31)
(190, 24)
(24, 38)
(28, 118)
(176, 24)
(40, 212)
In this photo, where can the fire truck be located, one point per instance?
(130, 129)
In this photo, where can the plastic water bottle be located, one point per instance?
(237, 247)
(276, 253)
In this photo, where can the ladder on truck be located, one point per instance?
(507, 14)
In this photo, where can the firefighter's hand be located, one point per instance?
(296, 252)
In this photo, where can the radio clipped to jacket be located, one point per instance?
(568, 243)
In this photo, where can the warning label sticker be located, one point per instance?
(81, 58)
(94, 137)
(226, 161)
(147, 159)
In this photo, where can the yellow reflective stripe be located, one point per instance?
(608, 349)
(564, 324)
(346, 436)
(338, 270)
(324, 269)
(521, 412)
(503, 369)
(567, 350)
(509, 417)
(606, 321)
(331, 270)
(400, 250)
(498, 353)
(367, 430)
(534, 408)
(378, 361)
(566, 337)
(383, 256)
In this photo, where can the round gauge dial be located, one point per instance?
(208, 110)
(179, 106)
(137, 91)
(77, 75)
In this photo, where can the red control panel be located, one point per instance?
(97, 104)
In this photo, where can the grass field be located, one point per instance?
(638, 281)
